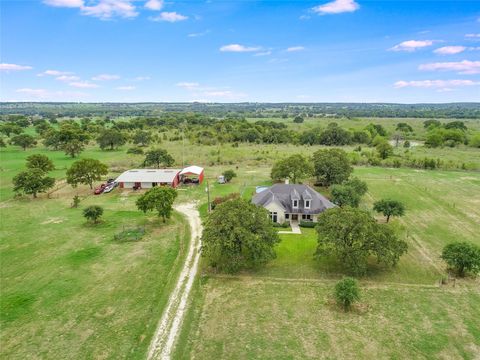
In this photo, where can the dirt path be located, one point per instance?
(169, 325)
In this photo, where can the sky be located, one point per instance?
(240, 51)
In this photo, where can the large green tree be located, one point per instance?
(349, 193)
(9, 129)
(158, 158)
(159, 199)
(389, 208)
(32, 182)
(462, 257)
(73, 147)
(142, 138)
(352, 235)
(238, 235)
(331, 166)
(24, 141)
(111, 139)
(40, 161)
(86, 171)
(296, 167)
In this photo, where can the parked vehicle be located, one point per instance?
(99, 189)
(109, 187)
(221, 179)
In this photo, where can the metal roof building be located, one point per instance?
(147, 178)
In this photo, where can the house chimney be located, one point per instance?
(287, 181)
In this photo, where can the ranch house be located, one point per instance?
(292, 202)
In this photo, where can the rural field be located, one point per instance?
(71, 289)
(286, 309)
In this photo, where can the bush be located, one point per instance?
(135, 150)
(307, 224)
(347, 292)
(282, 225)
(127, 235)
(93, 213)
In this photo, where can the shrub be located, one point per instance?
(93, 213)
(347, 292)
(127, 235)
(307, 224)
(135, 150)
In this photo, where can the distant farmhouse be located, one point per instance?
(148, 178)
(292, 202)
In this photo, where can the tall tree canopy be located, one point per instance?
(238, 235)
(32, 181)
(295, 168)
(352, 235)
(158, 158)
(86, 171)
(158, 199)
(331, 166)
(40, 161)
(111, 139)
(24, 141)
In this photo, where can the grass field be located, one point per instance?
(285, 310)
(68, 290)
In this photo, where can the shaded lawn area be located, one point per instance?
(255, 318)
(69, 290)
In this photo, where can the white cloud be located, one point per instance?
(105, 77)
(412, 45)
(13, 67)
(103, 9)
(238, 48)
(224, 94)
(472, 36)
(126, 88)
(107, 9)
(263, 53)
(295, 48)
(450, 50)
(443, 85)
(336, 7)
(54, 73)
(141, 78)
(64, 3)
(83, 85)
(461, 67)
(169, 17)
(67, 78)
(193, 35)
(188, 85)
(154, 4)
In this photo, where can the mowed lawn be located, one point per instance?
(285, 311)
(69, 290)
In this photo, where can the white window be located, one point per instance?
(307, 204)
(295, 204)
(274, 216)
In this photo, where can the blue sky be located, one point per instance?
(235, 51)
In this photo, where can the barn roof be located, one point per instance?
(149, 175)
(196, 170)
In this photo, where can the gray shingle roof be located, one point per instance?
(283, 194)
